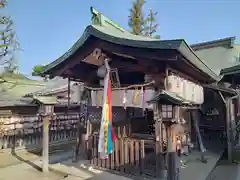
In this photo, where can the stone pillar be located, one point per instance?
(45, 151)
(160, 168)
(173, 160)
(47, 114)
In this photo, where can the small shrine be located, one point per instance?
(156, 94)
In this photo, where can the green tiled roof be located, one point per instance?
(12, 89)
(231, 70)
(48, 100)
(167, 97)
(8, 101)
(18, 88)
(110, 32)
(225, 42)
(221, 88)
(217, 54)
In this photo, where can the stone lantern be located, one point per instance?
(166, 113)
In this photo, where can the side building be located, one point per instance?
(218, 54)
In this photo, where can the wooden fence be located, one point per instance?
(131, 156)
(26, 131)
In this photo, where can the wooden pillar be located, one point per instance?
(195, 120)
(228, 129)
(80, 127)
(45, 151)
(69, 92)
(233, 121)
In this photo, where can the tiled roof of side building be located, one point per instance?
(231, 70)
(226, 42)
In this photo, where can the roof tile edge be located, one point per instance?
(226, 42)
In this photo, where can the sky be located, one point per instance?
(46, 29)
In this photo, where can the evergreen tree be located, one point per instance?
(151, 24)
(136, 18)
(8, 42)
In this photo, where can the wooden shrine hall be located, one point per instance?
(157, 95)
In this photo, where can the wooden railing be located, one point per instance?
(131, 156)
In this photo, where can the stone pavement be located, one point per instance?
(194, 169)
(225, 171)
(60, 169)
(25, 173)
(7, 159)
(27, 169)
(197, 170)
(78, 171)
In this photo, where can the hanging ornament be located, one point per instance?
(100, 98)
(143, 100)
(124, 100)
(136, 97)
(115, 98)
(97, 98)
(93, 97)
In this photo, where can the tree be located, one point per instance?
(151, 24)
(8, 42)
(136, 18)
(37, 70)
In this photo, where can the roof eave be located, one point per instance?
(189, 54)
(230, 70)
(179, 45)
(66, 55)
(229, 91)
(226, 42)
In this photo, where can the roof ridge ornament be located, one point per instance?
(99, 19)
(96, 17)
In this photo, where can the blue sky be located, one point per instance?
(48, 28)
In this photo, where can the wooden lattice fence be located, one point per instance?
(26, 131)
(130, 156)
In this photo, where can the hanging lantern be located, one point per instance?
(101, 71)
(167, 111)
